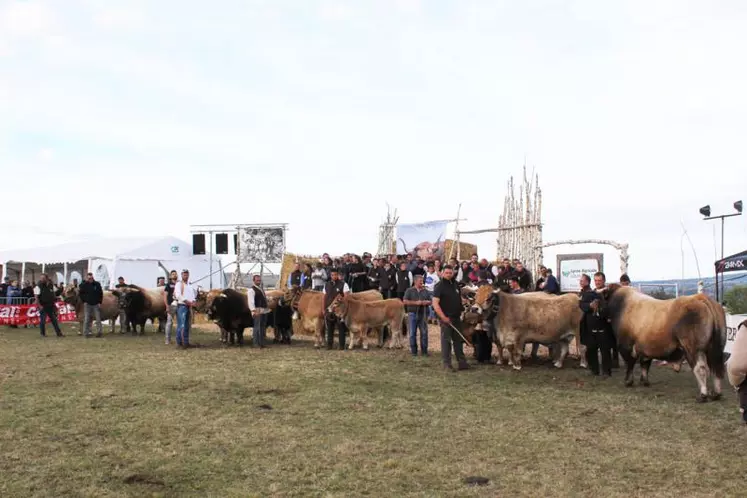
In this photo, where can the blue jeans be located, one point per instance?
(416, 321)
(182, 325)
(258, 331)
(50, 312)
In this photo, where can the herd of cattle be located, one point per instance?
(689, 327)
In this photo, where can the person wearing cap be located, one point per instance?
(185, 296)
(335, 287)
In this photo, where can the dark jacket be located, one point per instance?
(294, 279)
(331, 291)
(403, 281)
(551, 285)
(91, 292)
(449, 297)
(260, 300)
(46, 294)
(525, 279)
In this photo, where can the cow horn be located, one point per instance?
(222, 294)
(404, 245)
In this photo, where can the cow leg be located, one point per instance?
(355, 333)
(564, 346)
(629, 357)
(240, 336)
(645, 366)
(701, 375)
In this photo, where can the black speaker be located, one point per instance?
(235, 243)
(221, 243)
(198, 243)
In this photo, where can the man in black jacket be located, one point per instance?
(92, 295)
(45, 299)
(599, 335)
(447, 303)
(335, 287)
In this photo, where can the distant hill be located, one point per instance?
(690, 285)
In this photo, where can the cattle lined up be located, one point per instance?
(691, 328)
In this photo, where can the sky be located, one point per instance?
(124, 118)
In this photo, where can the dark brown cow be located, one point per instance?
(531, 317)
(649, 328)
(361, 315)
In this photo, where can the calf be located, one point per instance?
(360, 316)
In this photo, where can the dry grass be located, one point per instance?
(128, 416)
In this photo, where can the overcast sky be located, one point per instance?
(141, 118)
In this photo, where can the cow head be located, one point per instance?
(292, 296)
(338, 306)
(70, 295)
(201, 304)
(217, 303)
(608, 298)
(486, 300)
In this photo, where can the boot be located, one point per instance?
(463, 365)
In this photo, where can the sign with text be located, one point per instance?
(28, 314)
(732, 325)
(572, 266)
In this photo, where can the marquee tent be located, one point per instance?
(140, 260)
(735, 262)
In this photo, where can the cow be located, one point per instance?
(141, 305)
(204, 302)
(230, 311)
(650, 328)
(361, 315)
(280, 316)
(531, 317)
(109, 306)
(308, 308)
(736, 368)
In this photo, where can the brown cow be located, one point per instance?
(109, 306)
(531, 317)
(650, 328)
(308, 307)
(360, 316)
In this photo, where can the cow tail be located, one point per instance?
(715, 353)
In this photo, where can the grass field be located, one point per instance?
(129, 416)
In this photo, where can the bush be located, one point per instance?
(736, 299)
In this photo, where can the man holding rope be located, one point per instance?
(447, 303)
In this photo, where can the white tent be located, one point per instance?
(139, 260)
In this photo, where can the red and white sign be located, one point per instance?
(28, 314)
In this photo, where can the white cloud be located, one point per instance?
(335, 11)
(25, 19)
(119, 18)
(46, 154)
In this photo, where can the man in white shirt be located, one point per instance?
(185, 296)
(258, 306)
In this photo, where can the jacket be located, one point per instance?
(91, 292)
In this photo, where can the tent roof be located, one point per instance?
(132, 248)
(735, 262)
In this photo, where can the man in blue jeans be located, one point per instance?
(185, 296)
(417, 299)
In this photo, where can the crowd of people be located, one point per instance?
(430, 291)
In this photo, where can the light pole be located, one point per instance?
(706, 212)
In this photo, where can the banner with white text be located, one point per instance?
(28, 314)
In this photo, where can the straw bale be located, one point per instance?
(290, 259)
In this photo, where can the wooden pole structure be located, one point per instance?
(456, 235)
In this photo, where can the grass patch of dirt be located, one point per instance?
(130, 416)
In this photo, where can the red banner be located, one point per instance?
(28, 314)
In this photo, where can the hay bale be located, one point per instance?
(465, 249)
(290, 259)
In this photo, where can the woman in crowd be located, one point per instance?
(319, 276)
(307, 273)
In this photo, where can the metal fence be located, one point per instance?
(17, 301)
